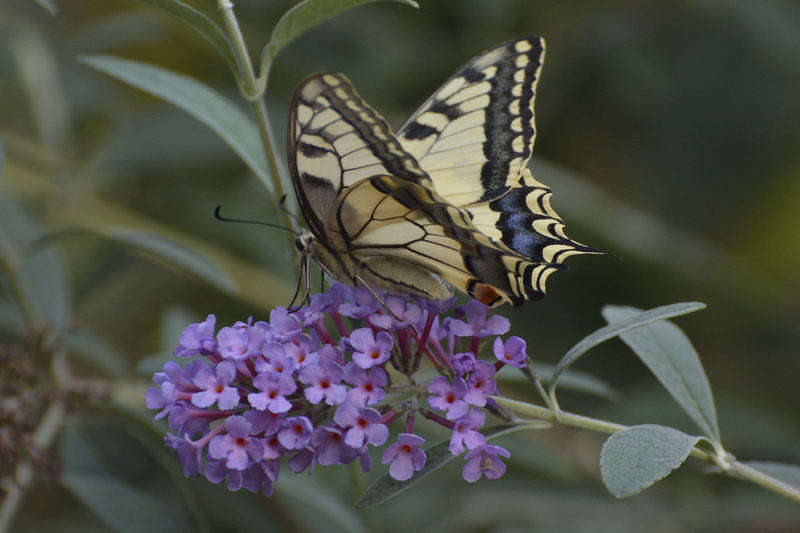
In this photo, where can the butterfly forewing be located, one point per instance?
(336, 139)
(474, 136)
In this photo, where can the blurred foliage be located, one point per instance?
(679, 122)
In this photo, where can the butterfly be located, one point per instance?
(445, 201)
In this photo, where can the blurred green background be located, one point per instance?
(669, 132)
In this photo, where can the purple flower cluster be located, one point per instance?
(294, 387)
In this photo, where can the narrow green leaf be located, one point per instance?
(612, 330)
(89, 348)
(197, 99)
(34, 275)
(316, 508)
(635, 458)
(48, 5)
(571, 379)
(177, 254)
(305, 16)
(386, 487)
(120, 483)
(200, 23)
(789, 474)
(670, 356)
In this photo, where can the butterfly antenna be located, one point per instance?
(282, 207)
(225, 219)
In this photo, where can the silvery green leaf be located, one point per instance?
(635, 458)
(670, 356)
(197, 99)
(612, 330)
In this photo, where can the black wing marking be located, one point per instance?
(475, 135)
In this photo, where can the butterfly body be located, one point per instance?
(447, 201)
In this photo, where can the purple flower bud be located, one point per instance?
(237, 447)
(448, 397)
(242, 342)
(477, 325)
(302, 460)
(331, 447)
(485, 460)
(265, 422)
(215, 387)
(284, 325)
(365, 304)
(408, 313)
(371, 350)
(295, 433)
(367, 386)
(197, 338)
(437, 306)
(302, 348)
(320, 303)
(480, 385)
(466, 432)
(187, 419)
(405, 456)
(464, 363)
(512, 352)
(188, 454)
(323, 383)
(364, 425)
(163, 398)
(330, 354)
(273, 387)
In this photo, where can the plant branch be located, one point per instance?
(763, 480)
(255, 97)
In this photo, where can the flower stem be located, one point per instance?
(249, 89)
(44, 436)
(763, 480)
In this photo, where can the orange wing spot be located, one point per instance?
(486, 294)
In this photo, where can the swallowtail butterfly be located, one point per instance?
(445, 201)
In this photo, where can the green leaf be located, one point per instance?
(89, 348)
(612, 330)
(670, 356)
(200, 23)
(120, 482)
(48, 5)
(635, 458)
(35, 275)
(571, 379)
(197, 99)
(175, 252)
(386, 487)
(316, 508)
(789, 474)
(305, 16)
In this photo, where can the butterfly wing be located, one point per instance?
(374, 213)
(475, 135)
(474, 138)
(336, 139)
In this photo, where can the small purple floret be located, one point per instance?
(405, 456)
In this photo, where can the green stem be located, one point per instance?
(720, 457)
(763, 480)
(249, 89)
(571, 419)
(43, 437)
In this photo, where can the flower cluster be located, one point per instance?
(315, 392)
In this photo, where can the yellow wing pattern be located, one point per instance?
(446, 202)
